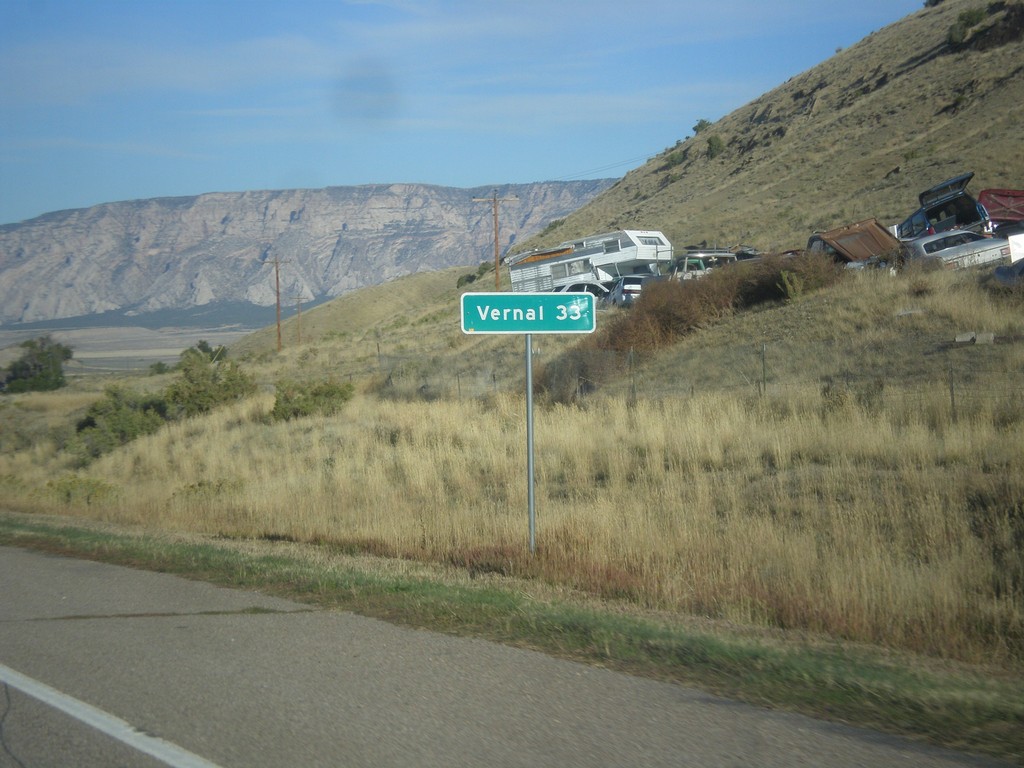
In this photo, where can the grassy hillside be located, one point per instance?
(404, 337)
(858, 136)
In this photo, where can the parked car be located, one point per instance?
(699, 260)
(1011, 275)
(958, 249)
(626, 290)
(946, 206)
(587, 286)
(694, 267)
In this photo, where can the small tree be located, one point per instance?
(715, 146)
(40, 367)
(204, 351)
(204, 385)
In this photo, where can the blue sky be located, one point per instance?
(104, 100)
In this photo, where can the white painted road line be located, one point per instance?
(112, 726)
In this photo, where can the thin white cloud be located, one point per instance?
(65, 143)
(73, 73)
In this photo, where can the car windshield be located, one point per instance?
(960, 238)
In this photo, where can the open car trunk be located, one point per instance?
(948, 188)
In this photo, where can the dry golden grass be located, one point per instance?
(888, 514)
(863, 525)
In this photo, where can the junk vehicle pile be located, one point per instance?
(950, 229)
(613, 266)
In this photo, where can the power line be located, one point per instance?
(610, 166)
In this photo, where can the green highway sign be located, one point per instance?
(528, 313)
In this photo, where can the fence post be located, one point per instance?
(952, 393)
(764, 368)
(632, 381)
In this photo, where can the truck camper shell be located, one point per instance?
(597, 258)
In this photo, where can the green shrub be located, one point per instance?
(961, 28)
(204, 351)
(678, 157)
(204, 385)
(40, 367)
(122, 415)
(552, 227)
(295, 400)
(715, 146)
(972, 17)
(115, 420)
(791, 285)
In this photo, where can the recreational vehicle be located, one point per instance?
(598, 259)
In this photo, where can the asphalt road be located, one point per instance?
(106, 666)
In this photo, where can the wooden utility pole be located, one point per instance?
(277, 292)
(494, 200)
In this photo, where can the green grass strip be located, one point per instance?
(946, 705)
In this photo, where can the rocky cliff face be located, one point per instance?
(178, 253)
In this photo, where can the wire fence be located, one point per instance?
(963, 374)
(976, 370)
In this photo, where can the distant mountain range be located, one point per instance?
(191, 255)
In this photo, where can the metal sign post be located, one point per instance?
(530, 501)
(528, 313)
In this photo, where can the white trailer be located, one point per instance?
(597, 258)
